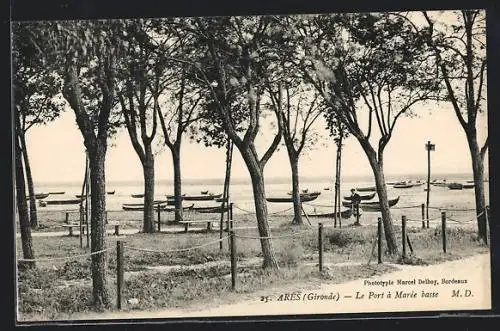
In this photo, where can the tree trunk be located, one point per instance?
(22, 207)
(259, 195)
(149, 189)
(378, 172)
(176, 159)
(97, 157)
(29, 180)
(297, 204)
(478, 173)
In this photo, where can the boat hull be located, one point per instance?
(202, 197)
(366, 189)
(304, 198)
(371, 205)
(63, 202)
(344, 214)
(363, 197)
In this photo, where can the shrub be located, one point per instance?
(292, 253)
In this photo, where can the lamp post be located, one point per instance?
(429, 147)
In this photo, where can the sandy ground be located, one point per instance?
(358, 296)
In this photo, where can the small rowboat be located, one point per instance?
(40, 195)
(183, 208)
(202, 197)
(59, 192)
(344, 214)
(467, 186)
(62, 202)
(305, 192)
(363, 197)
(140, 206)
(111, 192)
(401, 185)
(455, 186)
(204, 192)
(303, 198)
(172, 196)
(366, 189)
(209, 210)
(138, 195)
(371, 205)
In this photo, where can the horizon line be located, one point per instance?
(204, 179)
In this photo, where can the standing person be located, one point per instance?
(356, 199)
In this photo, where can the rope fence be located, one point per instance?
(273, 237)
(63, 258)
(175, 250)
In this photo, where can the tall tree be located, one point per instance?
(35, 96)
(299, 108)
(233, 53)
(85, 54)
(182, 112)
(458, 40)
(138, 101)
(370, 74)
(22, 206)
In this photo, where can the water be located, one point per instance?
(242, 195)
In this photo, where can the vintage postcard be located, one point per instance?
(251, 165)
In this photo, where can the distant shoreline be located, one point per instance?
(281, 180)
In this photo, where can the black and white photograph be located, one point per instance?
(255, 165)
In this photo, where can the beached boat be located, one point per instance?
(138, 195)
(172, 209)
(79, 196)
(344, 214)
(172, 196)
(402, 185)
(468, 185)
(211, 209)
(39, 196)
(363, 197)
(204, 192)
(439, 184)
(305, 192)
(374, 204)
(326, 189)
(220, 199)
(140, 206)
(455, 186)
(62, 202)
(470, 181)
(303, 198)
(201, 197)
(111, 192)
(366, 189)
(58, 192)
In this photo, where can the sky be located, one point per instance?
(57, 152)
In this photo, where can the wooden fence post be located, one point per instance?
(379, 240)
(233, 259)
(403, 230)
(67, 218)
(320, 245)
(119, 273)
(423, 216)
(443, 229)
